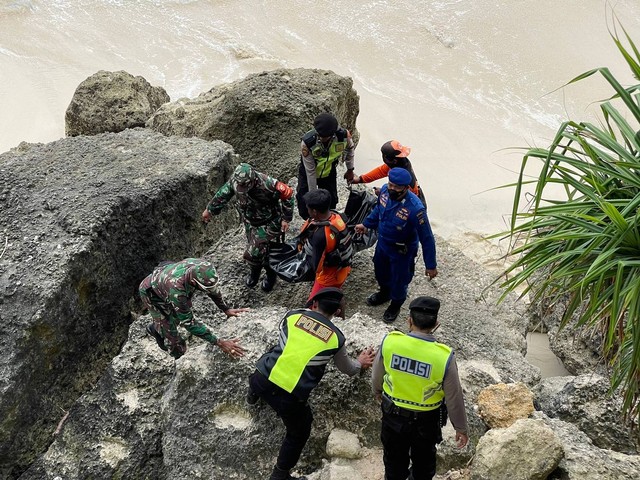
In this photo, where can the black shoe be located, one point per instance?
(378, 298)
(278, 474)
(269, 280)
(251, 279)
(252, 397)
(392, 312)
(151, 330)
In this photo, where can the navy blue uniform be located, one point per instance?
(402, 225)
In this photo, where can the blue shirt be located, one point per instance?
(404, 222)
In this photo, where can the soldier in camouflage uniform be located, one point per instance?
(266, 208)
(167, 293)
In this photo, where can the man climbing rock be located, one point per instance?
(266, 208)
(167, 294)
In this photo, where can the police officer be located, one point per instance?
(322, 148)
(402, 223)
(167, 294)
(266, 208)
(414, 376)
(286, 375)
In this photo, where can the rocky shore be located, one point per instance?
(85, 394)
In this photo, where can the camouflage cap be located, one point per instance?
(205, 276)
(243, 177)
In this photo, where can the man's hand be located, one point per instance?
(348, 176)
(206, 216)
(461, 439)
(234, 312)
(284, 226)
(376, 190)
(231, 347)
(366, 357)
(431, 273)
(356, 179)
(360, 229)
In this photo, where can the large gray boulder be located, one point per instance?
(84, 219)
(585, 401)
(263, 115)
(112, 102)
(527, 450)
(584, 461)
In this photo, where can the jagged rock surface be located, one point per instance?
(84, 219)
(264, 115)
(584, 401)
(112, 102)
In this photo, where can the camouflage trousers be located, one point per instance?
(164, 318)
(258, 239)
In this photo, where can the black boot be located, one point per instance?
(279, 474)
(151, 330)
(269, 280)
(378, 298)
(392, 311)
(251, 279)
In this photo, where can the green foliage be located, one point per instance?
(588, 241)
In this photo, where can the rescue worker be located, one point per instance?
(394, 154)
(326, 241)
(266, 208)
(416, 380)
(286, 375)
(322, 148)
(167, 294)
(402, 223)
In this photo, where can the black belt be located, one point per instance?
(391, 408)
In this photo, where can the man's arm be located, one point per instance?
(421, 223)
(351, 366)
(377, 375)
(220, 199)
(317, 246)
(376, 174)
(309, 167)
(454, 397)
(349, 152)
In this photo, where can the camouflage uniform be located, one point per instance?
(167, 293)
(262, 201)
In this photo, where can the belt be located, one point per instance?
(391, 408)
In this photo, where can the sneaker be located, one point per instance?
(151, 330)
(252, 397)
(392, 312)
(378, 298)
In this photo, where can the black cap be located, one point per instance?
(325, 124)
(331, 294)
(425, 304)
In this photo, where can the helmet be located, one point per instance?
(243, 178)
(205, 276)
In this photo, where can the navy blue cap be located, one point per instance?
(400, 176)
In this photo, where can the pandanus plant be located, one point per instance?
(586, 242)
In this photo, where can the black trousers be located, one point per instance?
(412, 439)
(295, 414)
(329, 183)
